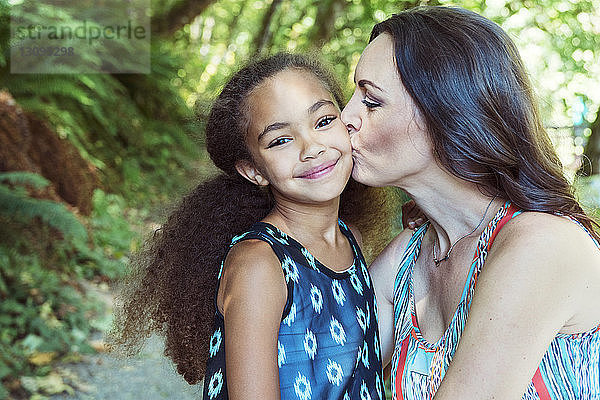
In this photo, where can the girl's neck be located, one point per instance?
(307, 222)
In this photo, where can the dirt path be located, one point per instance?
(148, 376)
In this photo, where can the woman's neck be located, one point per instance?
(453, 206)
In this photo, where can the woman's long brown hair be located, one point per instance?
(467, 79)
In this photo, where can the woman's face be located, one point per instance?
(296, 138)
(389, 143)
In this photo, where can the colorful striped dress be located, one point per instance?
(569, 368)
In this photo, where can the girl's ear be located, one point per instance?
(249, 171)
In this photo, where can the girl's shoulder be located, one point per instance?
(250, 257)
(356, 233)
(250, 270)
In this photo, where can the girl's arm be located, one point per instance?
(383, 274)
(543, 276)
(254, 294)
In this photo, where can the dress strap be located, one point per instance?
(353, 242)
(402, 317)
(404, 275)
(507, 212)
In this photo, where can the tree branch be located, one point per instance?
(262, 39)
(181, 14)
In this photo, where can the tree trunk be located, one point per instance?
(264, 36)
(181, 14)
(324, 26)
(28, 144)
(592, 148)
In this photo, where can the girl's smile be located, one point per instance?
(319, 171)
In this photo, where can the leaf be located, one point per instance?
(24, 178)
(50, 384)
(32, 342)
(42, 358)
(15, 205)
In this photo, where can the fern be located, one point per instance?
(24, 178)
(112, 118)
(16, 204)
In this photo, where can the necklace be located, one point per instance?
(435, 259)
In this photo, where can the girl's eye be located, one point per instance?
(370, 104)
(278, 142)
(326, 121)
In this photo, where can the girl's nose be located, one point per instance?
(312, 149)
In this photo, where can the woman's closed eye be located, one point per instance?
(370, 103)
(323, 122)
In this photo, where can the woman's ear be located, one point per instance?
(248, 170)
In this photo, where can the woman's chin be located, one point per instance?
(367, 178)
(359, 176)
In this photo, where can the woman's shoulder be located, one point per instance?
(396, 248)
(385, 267)
(554, 234)
(550, 256)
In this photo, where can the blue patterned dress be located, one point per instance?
(328, 344)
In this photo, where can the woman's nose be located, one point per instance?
(350, 117)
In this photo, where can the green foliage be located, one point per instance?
(558, 40)
(24, 178)
(15, 203)
(134, 128)
(45, 313)
(114, 236)
(114, 126)
(588, 190)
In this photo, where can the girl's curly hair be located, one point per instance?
(171, 287)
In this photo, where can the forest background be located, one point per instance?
(91, 163)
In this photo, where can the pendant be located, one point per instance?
(438, 262)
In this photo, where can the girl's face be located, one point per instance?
(296, 138)
(389, 142)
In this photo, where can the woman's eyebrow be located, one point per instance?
(364, 82)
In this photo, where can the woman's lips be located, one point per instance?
(318, 171)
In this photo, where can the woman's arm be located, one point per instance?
(542, 271)
(254, 296)
(357, 235)
(383, 274)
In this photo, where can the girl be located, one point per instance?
(287, 310)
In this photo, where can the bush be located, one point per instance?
(45, 253)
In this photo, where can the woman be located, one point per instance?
(443, 109)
